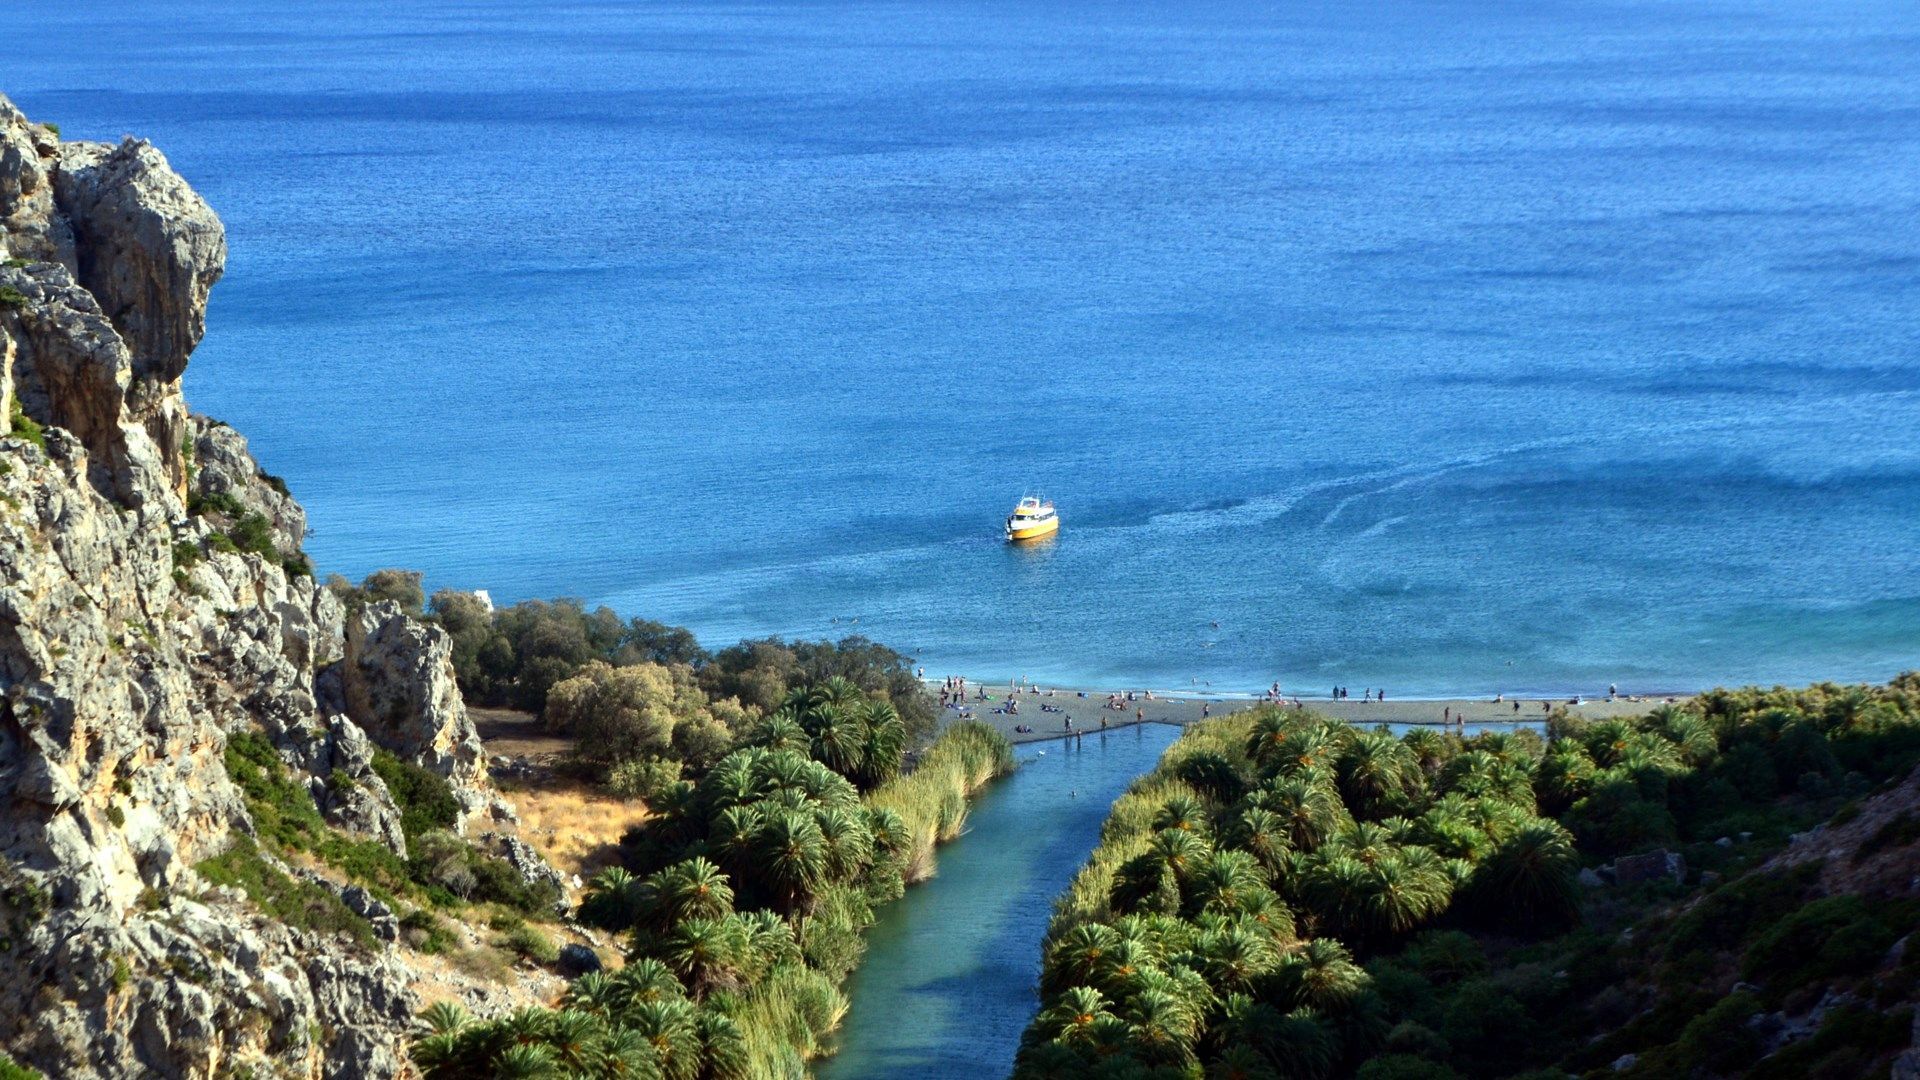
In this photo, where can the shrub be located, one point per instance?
(24, 427)
(303, 905)
(12, 1070)
(529, 942)
(424, 797)
(12, 297)
(1836, 935)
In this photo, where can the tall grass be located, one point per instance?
(785, 1019)
(932, 799)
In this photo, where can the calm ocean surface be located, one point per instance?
(1446, 346)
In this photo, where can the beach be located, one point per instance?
(1086, 708)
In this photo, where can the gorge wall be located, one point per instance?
(154, 601)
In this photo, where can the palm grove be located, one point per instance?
(780, 820)
(1289, 896)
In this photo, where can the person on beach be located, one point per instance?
(1516, 706)
(1446, 715)
(1206, 710)
(1103, 723)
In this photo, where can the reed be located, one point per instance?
(933, 799)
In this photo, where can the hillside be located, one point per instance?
(1723, 888)
(245, 830)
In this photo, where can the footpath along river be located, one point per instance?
(948, 983)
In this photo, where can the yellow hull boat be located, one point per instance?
(1031, 520)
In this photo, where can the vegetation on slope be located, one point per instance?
(745, 902)
(515, 656)
(1290, 896)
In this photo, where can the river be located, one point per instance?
(949, 980)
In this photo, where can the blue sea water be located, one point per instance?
(1445, 345)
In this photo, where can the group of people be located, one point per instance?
(1341, 693)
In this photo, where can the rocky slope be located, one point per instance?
(153, 603)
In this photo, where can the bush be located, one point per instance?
(1837, 935)
(12, 1070)
(529, 942)
(425, 798)
(648, 781)
(23, 426)
(302, 905)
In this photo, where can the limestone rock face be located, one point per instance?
(135, 641)
(399, 685)
(222, 465)
(29, 229)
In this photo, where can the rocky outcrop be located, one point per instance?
(221, 467)
(399, 686)
(145, 619)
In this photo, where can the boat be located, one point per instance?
(1032, 519)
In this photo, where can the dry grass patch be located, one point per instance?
(577, 827)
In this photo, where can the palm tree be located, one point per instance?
(1270, 729)
(668, 1029)
(1306, 750)
(1262, 834)
(609, 900)
(1181, 852)
(1607, 740)
(1072, 1016)
(839, 740)
(1531, 879)
(626, 1055)
(849, 847)
(1076, 957)
(644, 980)
(1479, 775)
(888, 829)
(593, 992)
(792, 856)
(1181, 812)
(1379, 775)
(1365, 842)
(1565, 776)
(445, 1017)
(1321, 976)
(1430, 750)
(706, 953)
(574, 1038)
(722, 1047)
(886, 741)
(693, 888)
(1224, 882)
(833, 692)
(1240, 1062)
(1160, 1027)
(1308, 810)
(526, 1061)
(1401, 892)
(734, 834)
(734, 780)
(1233, 957)
(770, 940)
(780, 730)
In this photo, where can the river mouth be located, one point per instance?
(949, 980)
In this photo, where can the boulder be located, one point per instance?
(1649, 866)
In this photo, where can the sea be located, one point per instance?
(1451, 347)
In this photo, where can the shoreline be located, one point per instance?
(1086, 708)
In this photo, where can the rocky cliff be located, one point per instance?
(154, 603)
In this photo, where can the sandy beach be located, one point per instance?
(1086, 708)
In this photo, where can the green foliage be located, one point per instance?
(13, 1070)
(218, 502)
(20, 424)
(1429, 857)
(299, 904)
(425, 799)
(758, 884)
(12, 297)
(530, 942)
